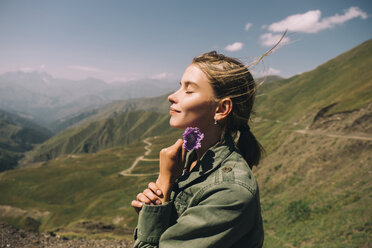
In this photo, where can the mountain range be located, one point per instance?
(45, 99)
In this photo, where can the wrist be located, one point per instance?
(165, 184)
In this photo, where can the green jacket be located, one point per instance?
(217, 204)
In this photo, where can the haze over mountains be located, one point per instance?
(314, 181)
(45, 99)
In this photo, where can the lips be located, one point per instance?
(173, 110)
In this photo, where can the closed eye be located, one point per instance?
(187, 85)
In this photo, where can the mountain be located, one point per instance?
(117, 130)
(46, 99)
(317, 132)
(293, 103)
(18, 135)
(159, 104)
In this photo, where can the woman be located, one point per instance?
(207, 197)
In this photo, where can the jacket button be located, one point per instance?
(226, 169)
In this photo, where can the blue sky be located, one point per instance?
(126, 40)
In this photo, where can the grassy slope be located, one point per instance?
(18, 135)
(81, 187)
(345, 80)
(315, 190)
(155, 104)
(114, 131)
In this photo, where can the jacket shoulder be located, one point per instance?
(236, 170)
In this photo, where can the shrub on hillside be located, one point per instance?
(298, 211)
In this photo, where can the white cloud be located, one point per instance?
(311, 22)
(234, 47)
(270, 40)
(273, 71)
(41, 68)
(26, 69)
(84, 68)
(160, 76)
(137, 76)
(264, 72)
(127, 78)
(248, 26)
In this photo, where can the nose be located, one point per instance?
(172, 97)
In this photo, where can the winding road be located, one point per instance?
(128, 172)
(312, 132)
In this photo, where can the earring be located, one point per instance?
(215, 122)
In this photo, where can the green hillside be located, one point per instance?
(17, 135)
(315, 188)
(158, 104)
(294, 102)
(120, 129)
(317, 131)
(81, 187)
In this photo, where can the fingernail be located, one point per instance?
(140, 204)
(158, 192)
(158, 202)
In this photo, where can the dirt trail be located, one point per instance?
(312, 132)
(128, 172)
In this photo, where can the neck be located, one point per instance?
(211, 136)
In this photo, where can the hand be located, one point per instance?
(150, 196)
(172, 160)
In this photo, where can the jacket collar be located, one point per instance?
(210, 160)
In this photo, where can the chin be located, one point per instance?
(177, 125)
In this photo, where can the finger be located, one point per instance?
(149, 194)
(137, 205)
(175, 147)
(178, 144)
(183, 156)
(179, 151)
(142, 198)
(155, 189)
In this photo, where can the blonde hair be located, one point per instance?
(230, 78)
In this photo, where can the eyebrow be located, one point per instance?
(187, 83)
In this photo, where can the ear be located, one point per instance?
(224, 108)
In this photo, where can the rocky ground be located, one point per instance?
(13, 237)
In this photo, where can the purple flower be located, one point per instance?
(192, 138)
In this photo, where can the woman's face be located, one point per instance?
(193, 105)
